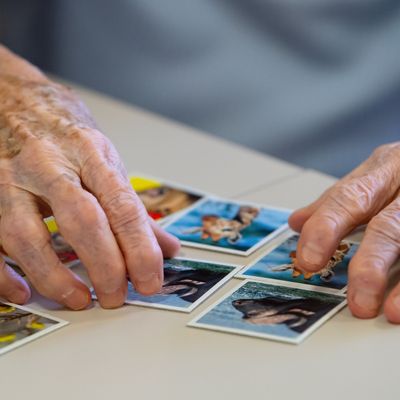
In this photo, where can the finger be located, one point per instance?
(368, 270)
(378, 169)
(12, 287)
(168, 243)
(351, 203)
(27, 240)
(84, 226)
(299, 217)
(105, 177)
(132, 229)
(392, 305)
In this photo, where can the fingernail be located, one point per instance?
(149, 284)
(76, 299)
(366, 299)
(112, 300)
(312, 254)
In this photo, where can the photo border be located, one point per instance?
(204, 297)
(173, 185)
(218, 249)
(195, 324)
(61, 323)
(295, 285)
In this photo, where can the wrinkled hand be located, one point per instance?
(54, 161)
(368, 195)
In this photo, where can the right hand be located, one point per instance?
(54, 161)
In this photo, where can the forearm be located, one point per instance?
(13, 65)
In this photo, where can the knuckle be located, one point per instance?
(370, 274)
(386, 226)
(380, 150)
(75, 133)
(64, 182)
(124, 210)
(387, 148)
(89, 216)
(129, 221)
(84, 210)
(86, 141)
(98, 150)
(339, 205)
(144, 259)
(386, 157)
(357, 194)
(378, 272)
(361, 196)
(322, 223)
(102, 163)
(153, 255)
(79, 133)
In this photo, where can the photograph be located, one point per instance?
(20, 325)
(163, 199)
(280, 264)
(187, 283)
(228, 226)
(64, 251)
(270, 312)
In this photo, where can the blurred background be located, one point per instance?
(316, 83)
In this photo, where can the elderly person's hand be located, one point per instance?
(368, 195)
(54, 161)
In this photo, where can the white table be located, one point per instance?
(141, 353)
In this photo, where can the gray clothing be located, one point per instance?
(314, 82)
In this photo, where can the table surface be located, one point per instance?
(137, 352)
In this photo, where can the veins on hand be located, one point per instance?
(38, 110)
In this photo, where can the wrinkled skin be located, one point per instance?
(368, 195)
(54, 161)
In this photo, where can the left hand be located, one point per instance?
(368, 195)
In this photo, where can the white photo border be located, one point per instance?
(195, 324)
(235, 269)
(276, 233)
(296, 285)
(60, 324)
(173, 185)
